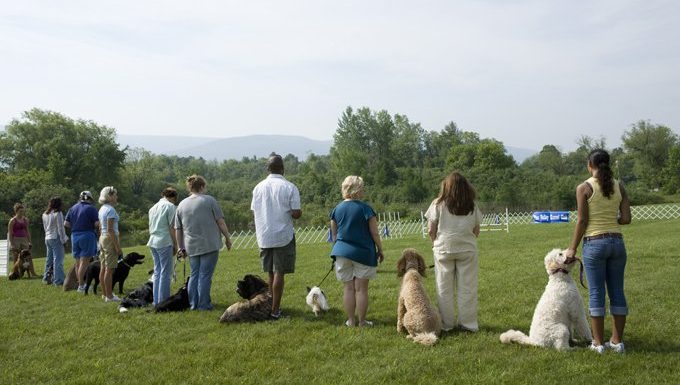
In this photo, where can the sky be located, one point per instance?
(527, 73)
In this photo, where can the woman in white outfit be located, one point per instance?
(453, 226)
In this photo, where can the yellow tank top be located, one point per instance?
(603, 212)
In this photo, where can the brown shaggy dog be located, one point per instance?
(23, 264)
(258, 304)
(415, 313)
(71, 281)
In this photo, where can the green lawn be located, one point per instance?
(49, 336)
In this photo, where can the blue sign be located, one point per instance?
(550, 216)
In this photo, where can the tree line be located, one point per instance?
(45, 154)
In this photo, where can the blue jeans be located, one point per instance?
(200, 280)
(605, 262)
(54, 259)
(162, 273)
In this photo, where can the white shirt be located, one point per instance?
(53, 223)
(454, 232)
(273, 200)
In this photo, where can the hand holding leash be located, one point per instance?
(181, 254)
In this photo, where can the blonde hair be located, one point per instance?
(352, 187)
(195, 183)
(106, 193)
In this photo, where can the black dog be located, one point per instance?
(140, 297)
(176, 302)
(120, 274)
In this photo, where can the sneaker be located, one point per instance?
(366, 324)
(81, 289)
(276, 316)
(348, 324)
(112, 299)
(616, 348)
(599, 348)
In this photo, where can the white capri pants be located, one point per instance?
(456, 275)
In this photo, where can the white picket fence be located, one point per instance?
(392, 227)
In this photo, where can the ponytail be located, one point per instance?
(599, 160)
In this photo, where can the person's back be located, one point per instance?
(196, 216)
(82, 216)
(603, 211)
(273, 201)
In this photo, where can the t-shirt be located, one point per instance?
(273, 200)
(354, 239)
(107, 212)
(454, 232)
(83, 217)
(161, 222)
(197, 217)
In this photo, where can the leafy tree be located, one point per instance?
(79, 154)
(649, 145)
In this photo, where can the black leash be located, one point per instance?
(329, 271)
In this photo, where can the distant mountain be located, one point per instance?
(520, 154)
(249, 146)
(229, 148)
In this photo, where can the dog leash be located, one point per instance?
(329, 271)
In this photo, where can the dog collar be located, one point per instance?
(123, 262)
(560, 270)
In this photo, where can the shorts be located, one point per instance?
(18, 244)
(109, 257)
(346, 270)
(84, 244)
(279, 259)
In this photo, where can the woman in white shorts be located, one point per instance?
(357, 249)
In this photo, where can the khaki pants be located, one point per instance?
(18, 244)
(456, 275)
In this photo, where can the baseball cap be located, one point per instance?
(86, 196)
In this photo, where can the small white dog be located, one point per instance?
(316, 299)
(559, 311)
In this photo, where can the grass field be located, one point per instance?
(52, 337)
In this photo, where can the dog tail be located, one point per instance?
(515, 336)
(428, 339)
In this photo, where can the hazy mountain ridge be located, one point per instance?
(249, 146)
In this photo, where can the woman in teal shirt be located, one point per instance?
(357, 249)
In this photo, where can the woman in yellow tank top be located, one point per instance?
(602, 207)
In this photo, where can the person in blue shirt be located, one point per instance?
(357, 249)
(83, 220)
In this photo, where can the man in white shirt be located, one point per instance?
(276, 202)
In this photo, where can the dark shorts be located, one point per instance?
(279, 259)
(84, 244)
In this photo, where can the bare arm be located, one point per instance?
(10, 237)
(624, 207)
(582, 192)
(476, 230)
(373, 228)
(432, 230)
(334, 231)
(225, 231)
(111, 233)
(28, 232)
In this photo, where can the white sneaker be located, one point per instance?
(616, 348)
(599, 348)
(112, 299)
(81, 289)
